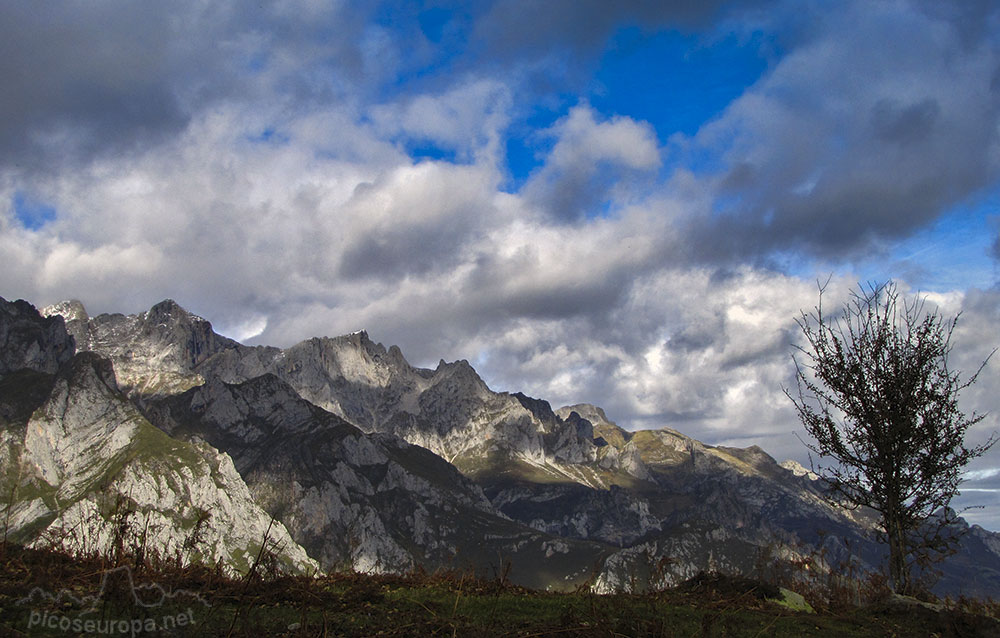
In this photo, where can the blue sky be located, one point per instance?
(618, 203)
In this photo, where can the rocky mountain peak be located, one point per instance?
(76, 318)
(395, 355)
(798, 469)
(353, 358)
(358, 341)
(168, 310)
(592, 413)
(461, 373)
(539, 407)
(30, 341)
(87, 368)
(153, 352)
(69, 310)
(359, 337)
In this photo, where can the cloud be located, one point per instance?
(465, 118)
(85, 81)
(979, 475)
(416, 219)
(244, 330)
(592, 164)
(521, 28)
(81, 77)
(867, 130)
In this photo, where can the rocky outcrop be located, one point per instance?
(616, 516)
(368, 502)
(798, 469)
(29, 341)
(90, 474)
(75, 317)
(448, 410)
(155, 353)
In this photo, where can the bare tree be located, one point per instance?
(877, 395)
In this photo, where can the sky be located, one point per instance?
(626, 204)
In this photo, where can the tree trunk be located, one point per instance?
(899, 575)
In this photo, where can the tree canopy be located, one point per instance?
(878, 397)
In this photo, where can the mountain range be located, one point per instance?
(338, 454)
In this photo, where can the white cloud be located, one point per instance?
(979, 475)
(467, 118)
(245, 329)
(593, 162)
(620, 140)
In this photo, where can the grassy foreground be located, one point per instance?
(45, 593)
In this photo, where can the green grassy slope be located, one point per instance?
(203, 603)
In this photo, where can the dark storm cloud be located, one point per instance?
(592, 298)
(904, 124)
(525, 28)
(81, 79)
(413, 250)
(847, 217)
(574, 192)
(77, 76)
(874, 126)
(699, 336)
(971, 18)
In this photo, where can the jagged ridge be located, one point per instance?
(568, 481)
